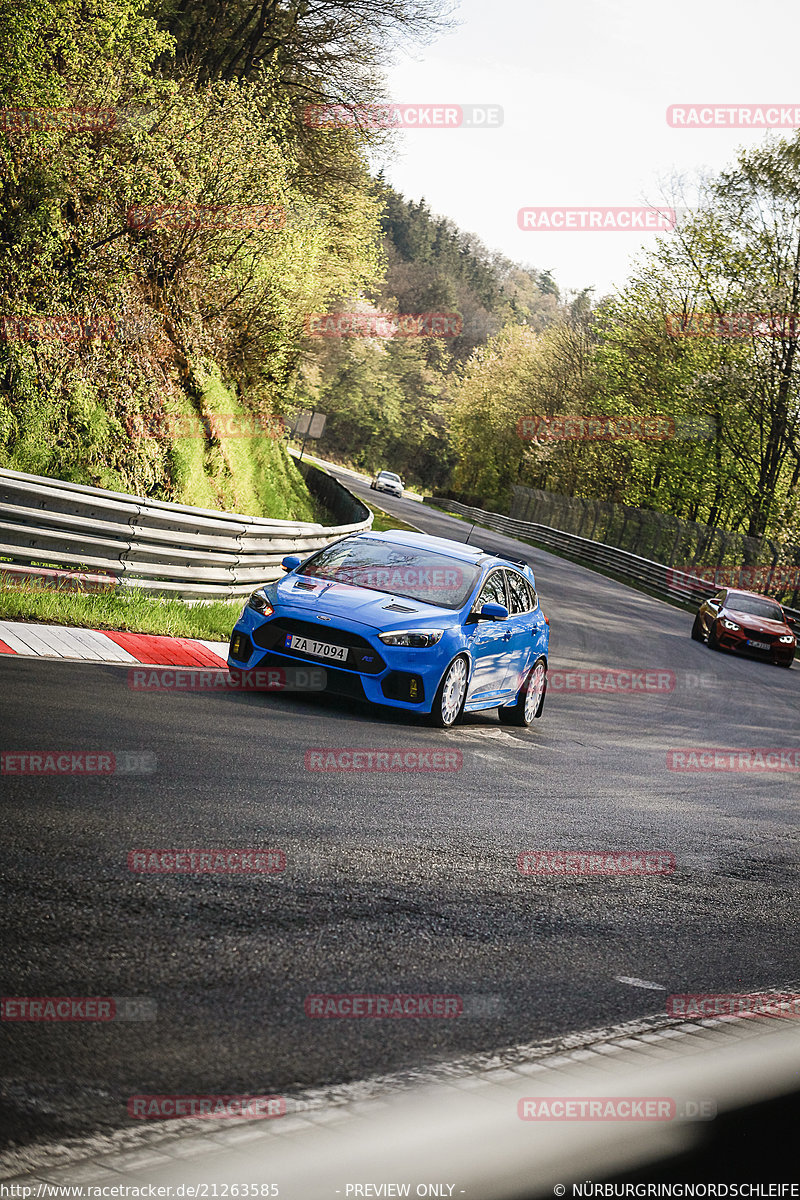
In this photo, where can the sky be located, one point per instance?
(584, 86)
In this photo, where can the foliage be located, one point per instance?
(680, 342)
(199, 316)
(388, 399)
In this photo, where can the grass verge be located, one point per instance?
(125, 610)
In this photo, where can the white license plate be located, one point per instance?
(759, 645)
(320, 649)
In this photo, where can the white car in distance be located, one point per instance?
(387, 481)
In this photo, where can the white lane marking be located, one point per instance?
(640, 983)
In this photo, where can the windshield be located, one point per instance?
(756, 606)
(412, 572)
(389, 475)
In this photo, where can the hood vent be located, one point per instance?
(393, 607)
(306, 587)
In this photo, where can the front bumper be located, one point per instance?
(729, 639)
(398, 677)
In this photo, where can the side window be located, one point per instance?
(532, 594)
(492, 592)
(518, 593)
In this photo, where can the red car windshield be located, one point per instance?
(756, 606)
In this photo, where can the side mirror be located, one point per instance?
(291, 561)
(494, 612)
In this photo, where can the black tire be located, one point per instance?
(698, 633)
(712, 639)
(523, 713)
(440, 718)
(787, 665)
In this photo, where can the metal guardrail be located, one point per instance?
(156, 547)
(667, 582)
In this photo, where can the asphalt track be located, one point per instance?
(395, 882)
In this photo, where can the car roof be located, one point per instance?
(460, 550)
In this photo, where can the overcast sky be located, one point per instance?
(584, 86)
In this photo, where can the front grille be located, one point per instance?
(337, 682)
(362, 656)
(344, 683)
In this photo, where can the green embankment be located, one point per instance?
(242, 467)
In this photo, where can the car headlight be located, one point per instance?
(417, 638)
(729, 624)
(787, 639)
(261, 604)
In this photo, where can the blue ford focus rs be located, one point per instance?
(405, 620)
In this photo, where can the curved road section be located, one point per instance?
(237, 894)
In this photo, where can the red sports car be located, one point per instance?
(746, 623)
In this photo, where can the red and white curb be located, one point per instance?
(31, 640)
